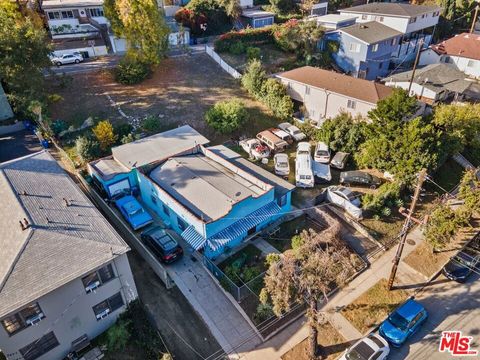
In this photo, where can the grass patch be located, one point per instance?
(372, 307)
(332, 344)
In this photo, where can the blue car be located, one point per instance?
(403, 322)
(133, 212)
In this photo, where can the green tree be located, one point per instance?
(469, 192)
(87, 149)
(342, 133)
(253, 78)
(105, 134)
(442, 225)
(282, 6)
(232, 8)
(308, 275)
(142, 24)
(24, 49)
(300, 37)
(276, 98)
(227, 116)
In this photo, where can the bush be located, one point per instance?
(118, 336)
(248, 37)
(198, 12)
(253, 78)
(130, 72)
(264, 312)
(297, 242)
(105, 135)
(87, 149)
(227, 116)
(53, 98)
(249, 273)
(151, 124)
(237, 48)
(253, 53)
(387, 192)
(123, 130)
(272, 258)
(58, 126)
(276, 98)
(129, 138)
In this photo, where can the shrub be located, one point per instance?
(53, 98)
(253, 53)
(198, 12)
(130, 71)
(87, 149)
(105, 135)
(58, 126)
(129, 138)
(250, 273)
(387, 192)
(248, 37)
(297, 242)
(227, 116)
(237, 48)
(264, 312)
(151, 124)
(123, 130)
(118, 335)
(253, 78)
(271, 259)
(276, 98)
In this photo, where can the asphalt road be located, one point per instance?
(451, 306)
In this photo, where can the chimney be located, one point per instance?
(21, 225)
(26, 223)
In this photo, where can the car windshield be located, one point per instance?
(295, 132)
(135, 212)
(282, 164)
(322, 153)
(398, 321)
(348, 194)
(305, 177)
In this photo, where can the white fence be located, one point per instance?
(222, 63)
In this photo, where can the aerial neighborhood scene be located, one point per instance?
(239, 179)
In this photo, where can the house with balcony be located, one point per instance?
(415, 22)
(64, 274)
(211, 196)
(462, 52)
(364, 49)
(325, 94)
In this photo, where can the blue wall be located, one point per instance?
(131, 176)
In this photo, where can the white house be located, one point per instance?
(325, 94)
(415, 22)
(461, 52)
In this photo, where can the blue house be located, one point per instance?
(211, 196)
(365, 49)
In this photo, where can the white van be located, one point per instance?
(303, 166)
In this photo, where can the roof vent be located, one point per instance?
(66, 202)
(238, 193)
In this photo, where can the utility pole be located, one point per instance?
(474, 20)
(406, 225)
(417, 57)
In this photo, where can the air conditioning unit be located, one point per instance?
(92, 286)
(103, 314)
(34, 319)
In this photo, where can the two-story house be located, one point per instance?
(325, 94)
(64, 272)
(415, 22)
(211, 196)
(461, 52)
(364, 49)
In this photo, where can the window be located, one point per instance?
(447, 60)
(263, 22)
(413, 20)
(471, 63)
(68, 14)
(381, 19)
(351, 104)
(380, 65)
(39, 347)
(53, 15)
(282, 201)
(95, 12)
(107, 306)
(354, 47)
(182, 224)
(394, 42)
(307, 90)
(165, 209)
(375, 48)
(28, 316)
(364, 17)
(98, 278)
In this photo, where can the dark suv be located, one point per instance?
(359, 178)
(462, 265)
(162, 244)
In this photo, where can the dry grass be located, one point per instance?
(372, 307)
(424, 260)
(332, 345)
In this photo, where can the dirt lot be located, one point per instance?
(179, 92)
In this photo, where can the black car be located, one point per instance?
(162, 244)
(475, 243)
(462, 265)
(359, 178)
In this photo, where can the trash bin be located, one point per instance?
(45, 144)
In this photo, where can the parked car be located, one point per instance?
(371, 347)
(359, 178)
(403, 322)
(133, 212)
(304, 176)
(475, 242)
(282, 134)
(322, 153)
(281, 164)
(67, 59)
(339, 160)
(346, 199)
(293, 131)
(461, 266)
(162, 244)
(322, 172)
(272, 141)
(255, 148)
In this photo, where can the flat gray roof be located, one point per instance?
(158, 147)
(393, 9)
(61, 243)
(255, 14)
(108, 168)
(370, 32)
(206, 187)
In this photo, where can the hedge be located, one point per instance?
(249, 37)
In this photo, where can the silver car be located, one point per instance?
(281, 164)
(372, 347)
(67, 59)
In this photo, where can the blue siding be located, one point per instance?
(131, 176)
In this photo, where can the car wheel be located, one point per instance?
(373, 187)
(59, 63)
(77, 61)
(346, 184)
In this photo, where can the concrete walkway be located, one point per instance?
(264, 246)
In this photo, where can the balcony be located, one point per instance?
(67, 31)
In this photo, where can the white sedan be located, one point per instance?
(345, 198)
(372, 347)
(67, 59)
(281, 164)
(293, 131)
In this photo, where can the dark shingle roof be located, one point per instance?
(370, 32)
(62, 242)
(394, 9)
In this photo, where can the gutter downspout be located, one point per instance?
(327, 94)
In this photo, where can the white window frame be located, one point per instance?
(375, 47)
(354, 47)
(351, 104)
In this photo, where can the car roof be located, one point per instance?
(410, 309)
(303, 146)
(281, 156)
(322, 146)
(294, 127)
(280, 132)
(355, 173)
(340, 155)
(364, 348)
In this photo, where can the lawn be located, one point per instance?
(373, 306)
(332, 344)
(179, 92)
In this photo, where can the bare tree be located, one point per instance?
(308, 274)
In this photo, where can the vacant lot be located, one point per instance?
(179, 92)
